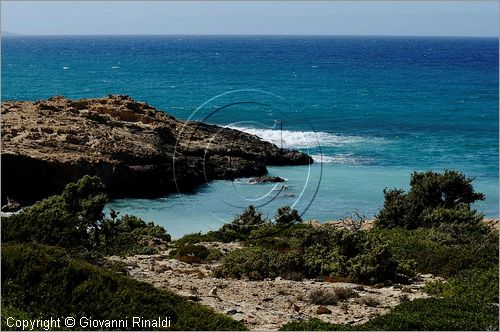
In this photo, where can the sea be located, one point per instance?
(369, 110)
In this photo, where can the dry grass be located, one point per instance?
(345, 293)
(371, 302)
(323, 297)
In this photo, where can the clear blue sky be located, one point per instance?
(431, 18)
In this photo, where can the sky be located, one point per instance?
(415, 18)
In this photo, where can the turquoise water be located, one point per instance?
(369, 109)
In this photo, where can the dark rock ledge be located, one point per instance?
(267, 178)
(129, 144)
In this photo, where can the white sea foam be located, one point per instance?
(341, 158)
(303, 139)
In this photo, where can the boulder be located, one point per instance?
(321, 310)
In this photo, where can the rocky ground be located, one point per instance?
(137, 150)
(267, 305)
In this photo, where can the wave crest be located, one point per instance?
(341, 158)
(302, 139)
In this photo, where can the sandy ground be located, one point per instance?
(266, 305)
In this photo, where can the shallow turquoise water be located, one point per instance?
(372, 109)
(343, 189)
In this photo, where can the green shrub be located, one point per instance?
(215, 254)
(251, 263)
(130, 235)
(197, 251)
(314, 324)
(251, 228)
(8, 311)
(243, 224)
(286, 216)
(69, 220)
(315, 252)
(437, 252)
(361, 256)
(433, 199)
(257, 263)
(436, 314)
(74, 219)
(192, 238)
(374, 265)
(418, 315)
(473, 285)
(44, 281)
(320, 261)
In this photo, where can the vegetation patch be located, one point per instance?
(433, 199)
(474, 285)
(358, 256)
(45, 281)
(75, 219)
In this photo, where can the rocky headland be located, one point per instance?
(137, 150)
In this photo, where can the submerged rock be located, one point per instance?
(267, 178)
(136, 149)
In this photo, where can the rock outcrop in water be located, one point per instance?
(137, 150)
(266, 179)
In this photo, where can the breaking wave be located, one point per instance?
(303, 139)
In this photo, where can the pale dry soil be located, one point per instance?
(268, 304)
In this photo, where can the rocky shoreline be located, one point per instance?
(137, 150)
(268, 304)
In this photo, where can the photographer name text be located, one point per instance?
(86, 323)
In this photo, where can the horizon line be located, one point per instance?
(11, 34)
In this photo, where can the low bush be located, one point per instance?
(130, 235)
(436, 251)
(8, 311)
(215, 254)
(474, 285)
(323, 297)
(251, 228)
(326, 297)
(68, 220)
(295, 276)
(194, 238)
(197, 251)
(242, 225)
(314, 324)
(344, 293)
(436, 314)
(44, 281)
(256, 263)
(358, 256)
(74, 219)
(419, 315)
(370, 302)
(286, 216)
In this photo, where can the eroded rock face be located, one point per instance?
(137, 150)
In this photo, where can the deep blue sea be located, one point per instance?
(371, 110)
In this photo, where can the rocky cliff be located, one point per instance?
(136, 149)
